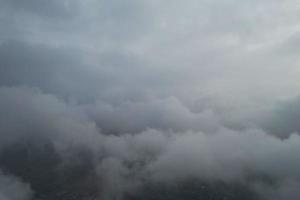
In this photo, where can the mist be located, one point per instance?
(127, 100)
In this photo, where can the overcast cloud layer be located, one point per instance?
(153, 92)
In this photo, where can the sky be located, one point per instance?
(179, 89)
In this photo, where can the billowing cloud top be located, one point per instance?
(111, 97)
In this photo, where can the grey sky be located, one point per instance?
(183, 87)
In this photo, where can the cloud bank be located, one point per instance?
(129, 99)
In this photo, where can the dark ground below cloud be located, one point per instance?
(195, 190)
(50, 178)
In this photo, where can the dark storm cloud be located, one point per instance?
(43, 8)
(11, 188)
(131, 93)
(66, 72)
(124, 161)
(282, 119)
(166, 114)
(51, 69)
